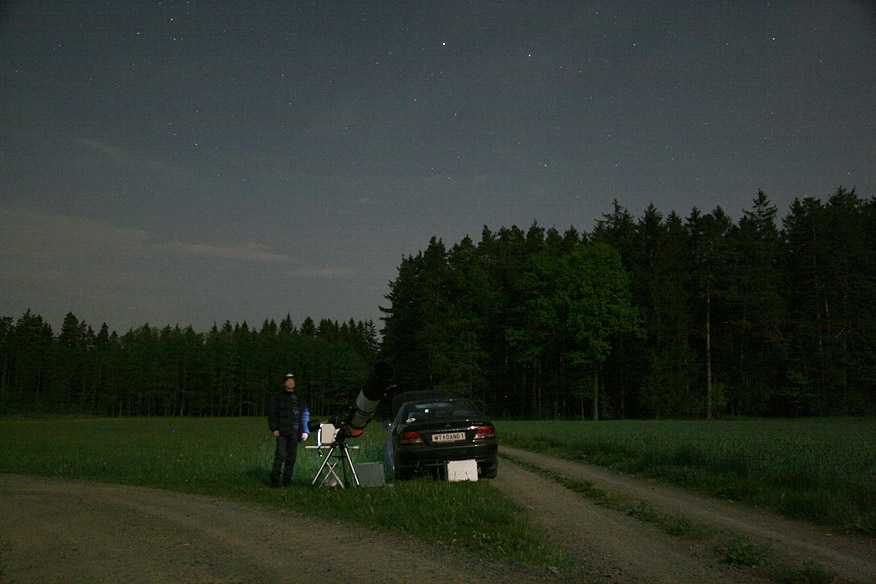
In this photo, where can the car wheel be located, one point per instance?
(490, 472)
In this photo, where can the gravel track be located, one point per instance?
(601, 531)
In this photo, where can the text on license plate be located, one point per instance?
(448, 437)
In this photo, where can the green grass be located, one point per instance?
(231, 457)
(818, 470)
(742, 553)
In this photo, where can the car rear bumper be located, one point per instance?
(413, 458)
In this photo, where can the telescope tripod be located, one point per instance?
(328, 469)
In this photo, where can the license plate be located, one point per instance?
(448, 437)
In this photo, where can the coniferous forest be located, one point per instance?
(229, 371)
(660, 316)
(651, 317)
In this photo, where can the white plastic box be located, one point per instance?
(462, 470)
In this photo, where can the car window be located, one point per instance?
(436, 410)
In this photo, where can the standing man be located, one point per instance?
(287, 417)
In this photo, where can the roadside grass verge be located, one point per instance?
(231, 457)
(741, 553)
(817, 470)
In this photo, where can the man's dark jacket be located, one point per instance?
(288, 413)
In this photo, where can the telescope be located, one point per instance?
(357, 416)
(351, 422)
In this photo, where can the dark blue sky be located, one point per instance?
(191, 162)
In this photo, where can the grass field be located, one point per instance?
(231, 457)
(819, 470)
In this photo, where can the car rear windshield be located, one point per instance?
(441, 409)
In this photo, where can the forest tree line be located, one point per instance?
(660, 316)
(650, 317)
(229, 371)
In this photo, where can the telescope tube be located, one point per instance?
(368, 398)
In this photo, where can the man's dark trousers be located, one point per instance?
(287, 450)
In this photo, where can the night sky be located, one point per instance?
(194, 162)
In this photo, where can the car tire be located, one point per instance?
(490, 472)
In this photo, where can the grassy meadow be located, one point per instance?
(818, 470)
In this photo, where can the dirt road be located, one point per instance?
(60, 530)
(70, 531)
(632, 550)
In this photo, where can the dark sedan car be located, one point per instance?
(426, 433)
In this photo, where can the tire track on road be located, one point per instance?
(851, 558)
(607, 543)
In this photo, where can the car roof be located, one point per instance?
(441, 400)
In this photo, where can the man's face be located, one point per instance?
(290, 384)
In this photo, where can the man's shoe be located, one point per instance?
(287, 482)
(275, 481)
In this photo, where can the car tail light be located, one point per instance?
(485, 432)
(410, 438)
